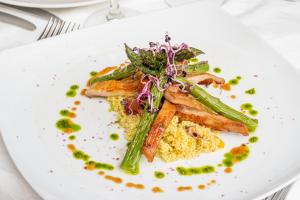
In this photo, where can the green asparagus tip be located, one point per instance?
(196, 52)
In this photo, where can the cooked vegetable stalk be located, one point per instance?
(219, 107)
(130, 163)
(149, 59)
(197, 68)
(156, 61)
(147, 62)
(137, 62)
(146, 70)
(186, 54)
(116, 75)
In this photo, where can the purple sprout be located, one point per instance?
(167, 38)
(146, 94)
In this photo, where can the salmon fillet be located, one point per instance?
(127, 87)
(214, 121)
(205, 79)
(159, 125)
(174, 95)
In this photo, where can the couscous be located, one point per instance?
(181, 139)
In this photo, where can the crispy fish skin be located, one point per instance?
(159, 125)
(214, 121)
(174, 95)
(127, 87)
(205, 79)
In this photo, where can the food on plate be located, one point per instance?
(162, 106)
(159, 126)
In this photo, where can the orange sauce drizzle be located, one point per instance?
(71, 147)
(228, 170)
(232, 96)
(77, 103)
(72, 115)
(134, 185)
(101, 173)
(201, 187)
(184, 188)
(113, 179)
(157, 190)
(225, 86)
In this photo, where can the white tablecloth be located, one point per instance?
(276, 21)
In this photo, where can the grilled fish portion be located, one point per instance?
(214, 121)
(159, 125)
(126, 87)
(205, 79)
(174, 95)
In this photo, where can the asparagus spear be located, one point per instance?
(219, 107)
(186, 54)
(130, 163)
(146, 70)
(197, 68)
(116, 75)
(183, 54)
(137, 61)
(148, 59)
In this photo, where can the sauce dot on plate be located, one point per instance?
(159, 174)
(71, 147)
(184, 188)
(157, 190)
(114, 136)
(101, 173)
(77, 103)
(253, 139)
(201, 187)
(134, 185)
(251, 91)
(228, 170)
(113, 179)
(217, 70)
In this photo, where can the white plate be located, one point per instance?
(51, 3)
(34, 80)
